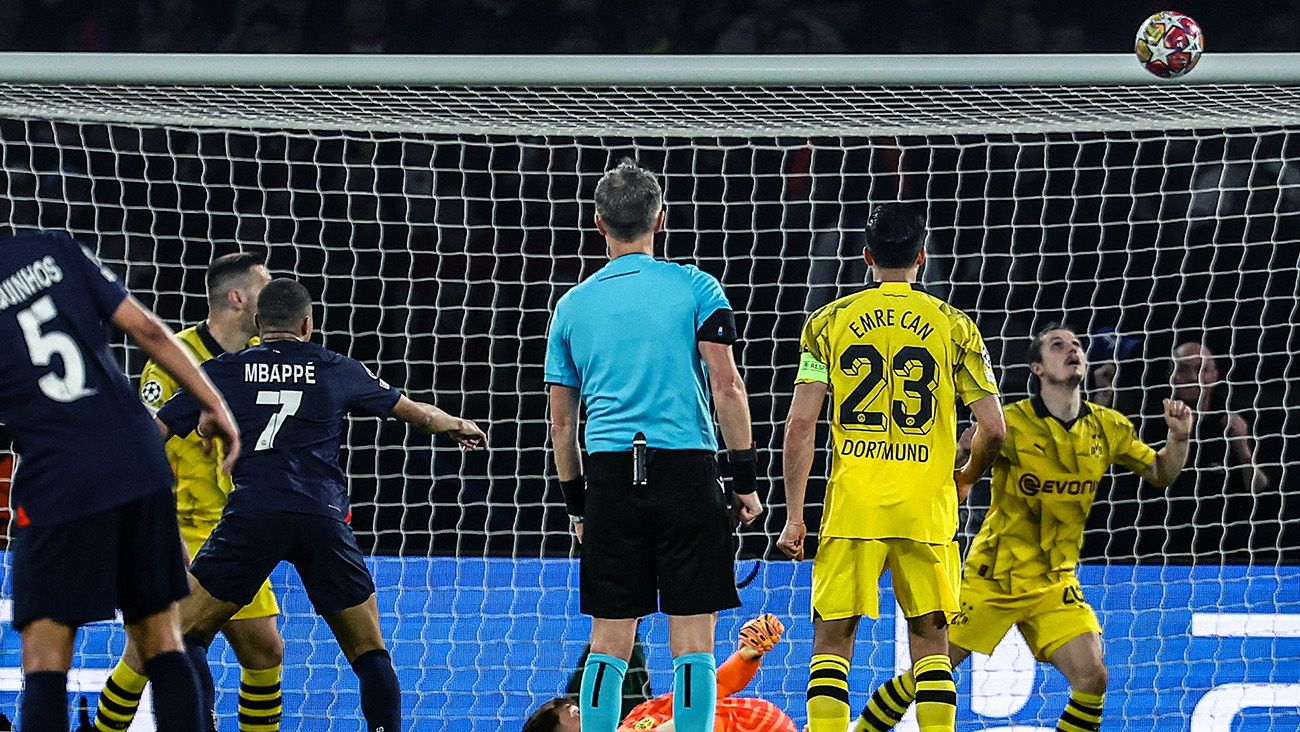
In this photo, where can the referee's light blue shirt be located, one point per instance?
(625, 338)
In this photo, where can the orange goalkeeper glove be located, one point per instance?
(762, 633)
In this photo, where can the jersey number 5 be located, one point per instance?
(913, 365)
(42, 347)
(289, 401)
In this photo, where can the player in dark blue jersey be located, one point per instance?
(92, 502)
(291, 399)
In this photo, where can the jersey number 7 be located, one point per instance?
(289, 401)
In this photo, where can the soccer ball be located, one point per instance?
(1169, 44)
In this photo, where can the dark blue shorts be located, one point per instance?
(245, 547)
(128, 557)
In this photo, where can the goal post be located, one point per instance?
(437, 207)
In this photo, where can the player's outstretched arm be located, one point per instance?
(732, 401)
(757, 637)
(1172, 457)
(433, 421)
(990, 433)
(797, 458)
(156, 339)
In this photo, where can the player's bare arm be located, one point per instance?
(1243, 449)
(797, 457)
(434, 421)
(157, 340)
(732, 402)
(990, 433)
(568, 458)
(1172, 457)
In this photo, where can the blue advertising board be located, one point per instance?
(480, 642)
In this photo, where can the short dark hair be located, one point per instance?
(227, 268)
(547, 716)
(628, 201)
(283, 304)
(1034, 354)
(895, 234)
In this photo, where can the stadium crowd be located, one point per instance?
(640, 26)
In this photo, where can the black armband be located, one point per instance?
(744, 471)
(575, 496)
(720, 327)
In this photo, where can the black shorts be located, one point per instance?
(245, 547)
(128, 557)
(667, 545)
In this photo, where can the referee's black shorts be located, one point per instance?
(78, 571)
(665, 546)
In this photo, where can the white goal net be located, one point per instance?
(437, 224)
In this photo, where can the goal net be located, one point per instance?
(438, 213)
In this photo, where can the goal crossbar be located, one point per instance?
(660, 96)
(633, 70)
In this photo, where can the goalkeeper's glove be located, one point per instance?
(762, 633)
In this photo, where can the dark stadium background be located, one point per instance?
(1099, 269)
(1033, 227)
(633, 26)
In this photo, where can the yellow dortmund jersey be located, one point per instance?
(201, 487)
(896, 360)
(1044, 482)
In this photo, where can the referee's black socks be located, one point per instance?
(381, 697)
(175, 692)
(45, 702)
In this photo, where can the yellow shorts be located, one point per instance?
(1048, 616)
(846, 577)
(263, 604)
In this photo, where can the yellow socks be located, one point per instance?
(120, 699)
(828, 694)
(259, 700)
(936, 694)
(1082, 713)
(887, 706)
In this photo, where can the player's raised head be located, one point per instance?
(1194, 372)
(557, 715)
(284, 307)
(1056, 354)
(235, 280)
(629, 202)
(896, 235)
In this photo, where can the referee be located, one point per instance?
(641, 344)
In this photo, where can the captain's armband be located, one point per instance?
(810, 369)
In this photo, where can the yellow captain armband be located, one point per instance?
(810, 369)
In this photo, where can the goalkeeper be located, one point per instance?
(732, 713)
(1020, 570)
